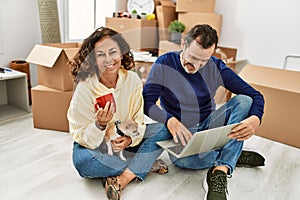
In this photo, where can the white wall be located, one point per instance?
(1, 35)
(264, 31)
(20, 29)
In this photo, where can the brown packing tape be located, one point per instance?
(168, 3)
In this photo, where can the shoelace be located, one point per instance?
(244, 160)
(219, 183)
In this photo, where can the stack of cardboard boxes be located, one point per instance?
(139, 33)
(190, 13)
(52, 96)
(165, 14)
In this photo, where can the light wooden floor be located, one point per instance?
(35, 164)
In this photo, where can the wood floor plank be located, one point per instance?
(36, 164)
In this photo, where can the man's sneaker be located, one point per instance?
(217, 185)
(250, 159)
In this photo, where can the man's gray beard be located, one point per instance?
(184, 66)
(187, 71)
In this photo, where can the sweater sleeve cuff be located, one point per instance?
(257, 114)
(168, 117)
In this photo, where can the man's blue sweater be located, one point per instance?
(190, 97)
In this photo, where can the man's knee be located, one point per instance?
(157, 132)
(244, 101)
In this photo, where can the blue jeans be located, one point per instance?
(234, 111)
(94, 163)
(97, 163)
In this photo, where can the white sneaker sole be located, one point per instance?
(205, 187)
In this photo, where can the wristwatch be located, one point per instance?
(99, 126)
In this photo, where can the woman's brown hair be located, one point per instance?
(84, 64)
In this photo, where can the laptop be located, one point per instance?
(200, 142)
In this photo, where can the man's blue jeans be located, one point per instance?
(94, 163)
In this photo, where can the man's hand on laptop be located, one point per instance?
(245, 129)
(178, 131)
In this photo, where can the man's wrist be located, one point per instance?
(99, 126)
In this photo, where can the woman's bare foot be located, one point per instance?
(126, 177)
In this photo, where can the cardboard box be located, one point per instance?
(166, 46)
(168, 3)
(206, 6)
(165, 15)
(51, 60)
(281, 90)
(139, 33)
(49, 108)
(164, 3)
(226, 54)
(191, 19)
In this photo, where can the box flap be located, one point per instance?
(70, 53)
(64, 45)
(168, 3)
(44, 55)
(44, 88)
(272, 77)
(235, 61)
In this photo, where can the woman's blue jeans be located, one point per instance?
(94, 163)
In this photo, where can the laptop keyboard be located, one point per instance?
(177, 149)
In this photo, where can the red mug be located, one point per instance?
(101, 101)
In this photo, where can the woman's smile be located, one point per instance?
(111, 66)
